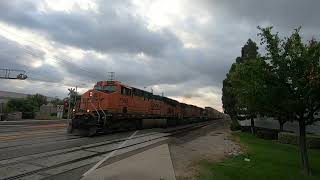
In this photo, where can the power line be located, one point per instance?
(30, 74)
(57, 84)
(53, 58)
(56, 58)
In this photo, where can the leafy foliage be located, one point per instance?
(249, 82)
(27, 106)
(296, 66)
(297, 69)
(37, 100)
(57, 101)
(284, 83)
(229, 101)
(22, 105)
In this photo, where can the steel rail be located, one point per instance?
(172, 133)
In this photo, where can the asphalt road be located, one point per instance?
(46, 151)
(289, 126)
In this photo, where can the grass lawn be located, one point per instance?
(268, 160)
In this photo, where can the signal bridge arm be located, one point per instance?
(13, 74)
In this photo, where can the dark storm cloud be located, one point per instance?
(286, 14)
(106, 30)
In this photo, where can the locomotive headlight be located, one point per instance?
(88, 110)
(90, 93)
(73, 110)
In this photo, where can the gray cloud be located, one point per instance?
(284, 15)
(122, 35)
(105, 31)
(16, 56)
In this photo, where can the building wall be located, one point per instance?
(5, 96)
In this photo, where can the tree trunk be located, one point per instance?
(281, 125)
(252, 125)
(303, 147)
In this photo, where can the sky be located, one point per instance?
(181, 48)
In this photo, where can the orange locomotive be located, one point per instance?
(112, 105)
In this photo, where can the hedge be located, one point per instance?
(247, 128)
(267, 134)
(263, 133)
(291, 138)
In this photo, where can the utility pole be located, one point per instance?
(71, 93)
(69, 106)
(75, 96)
(13, 74)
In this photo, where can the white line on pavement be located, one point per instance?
(108, 156)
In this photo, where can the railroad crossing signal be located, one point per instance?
(59, 111)
(13, 74)
(66, 104)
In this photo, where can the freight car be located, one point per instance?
(212, 114)
(112, 105)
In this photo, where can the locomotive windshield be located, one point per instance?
(108, 89)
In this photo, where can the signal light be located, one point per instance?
(66, 104)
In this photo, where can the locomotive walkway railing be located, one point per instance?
(91, 102)
(95, 110)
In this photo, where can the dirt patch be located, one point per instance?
(212, 143)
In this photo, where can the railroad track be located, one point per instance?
(41, 140)
(84, 155)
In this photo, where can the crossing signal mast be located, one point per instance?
(13, 74)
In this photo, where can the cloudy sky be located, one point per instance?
(183, 48)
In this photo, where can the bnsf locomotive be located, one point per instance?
(112, 105)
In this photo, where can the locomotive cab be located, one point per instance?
(106, 86)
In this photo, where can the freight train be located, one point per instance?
(112, 105)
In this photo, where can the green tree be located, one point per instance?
(228, 98)
(22, 105)
(248, 51)
(296, 66)
(57, 101)
(37, 99)
(249, 81)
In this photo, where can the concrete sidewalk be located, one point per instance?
(151, 164)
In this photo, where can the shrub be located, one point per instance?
(246, 128)
(291, 138)
(267, 134)
(28, 115)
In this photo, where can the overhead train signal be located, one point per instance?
(13, 74)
